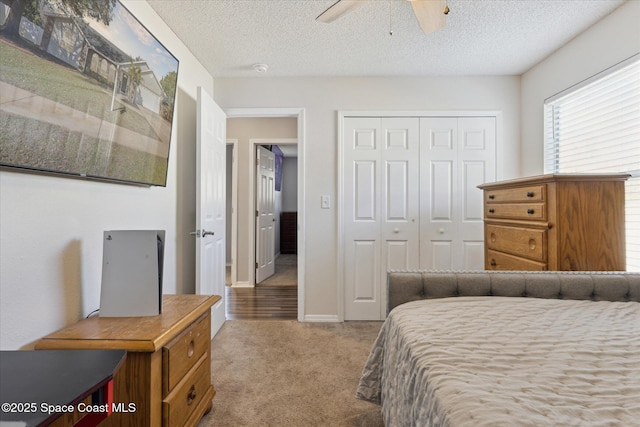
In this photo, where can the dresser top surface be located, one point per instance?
(557, 177)
(146, 334)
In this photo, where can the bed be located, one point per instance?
(507, 349)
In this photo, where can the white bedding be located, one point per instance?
(492, 361)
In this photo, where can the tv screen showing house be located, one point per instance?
(86, 90)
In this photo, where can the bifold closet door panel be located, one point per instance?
(456, 155)
(362, 240)
(400, 226)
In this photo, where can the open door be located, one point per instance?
(211, 154)
(265, 220)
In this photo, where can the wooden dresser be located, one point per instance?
(167, 372)
(569, 222)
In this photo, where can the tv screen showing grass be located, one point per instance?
(85, 90)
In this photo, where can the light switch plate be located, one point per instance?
(325, 202)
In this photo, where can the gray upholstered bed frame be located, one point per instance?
(598, 286)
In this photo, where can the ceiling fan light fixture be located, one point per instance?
(430, 14)
(339, 9)
(260, 68)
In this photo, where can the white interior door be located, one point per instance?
(456, 155)
(265, 219)
(380, 209)
(211, 205)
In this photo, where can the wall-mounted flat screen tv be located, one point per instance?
(85, 90)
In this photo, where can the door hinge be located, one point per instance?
(256, 265)
(257, 214)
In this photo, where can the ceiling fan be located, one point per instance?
(430, 13)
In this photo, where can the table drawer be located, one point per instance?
(178, 406)
(501, 261)
(532, 193)
(525, 242)
(532, 211)
(182, 353)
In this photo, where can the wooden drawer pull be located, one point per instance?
(192, 395)
(492, 210)
(530, 211)
(491, 196)
(530, 194)
(493, 263)
(191, 349)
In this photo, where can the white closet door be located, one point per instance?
(477, 162)
(380, 209)
(361, 145)
(400, 223)
(456, 155)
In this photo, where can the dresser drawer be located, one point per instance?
(181, 354)
(532, 193)
(180, 404)
(533, 211)
(501, 261)
(525, 242)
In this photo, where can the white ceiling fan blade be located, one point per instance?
(338, 9)
(430, 14)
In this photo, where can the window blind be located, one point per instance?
(594, 126)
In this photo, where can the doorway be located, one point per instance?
(243, 200)
(276, 206)
(231, 209)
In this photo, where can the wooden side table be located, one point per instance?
(167, 372)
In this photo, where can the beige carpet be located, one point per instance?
(287, 373)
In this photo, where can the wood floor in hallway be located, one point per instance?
(275, 298)
(262, 302)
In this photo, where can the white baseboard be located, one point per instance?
(321, 318)
(242, 285)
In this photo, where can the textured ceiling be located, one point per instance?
(481, 37)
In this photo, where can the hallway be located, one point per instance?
(275, 298)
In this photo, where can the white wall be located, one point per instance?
(613, 39)
(51, 227)
(322, 98)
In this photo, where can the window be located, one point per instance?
(594, 126)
